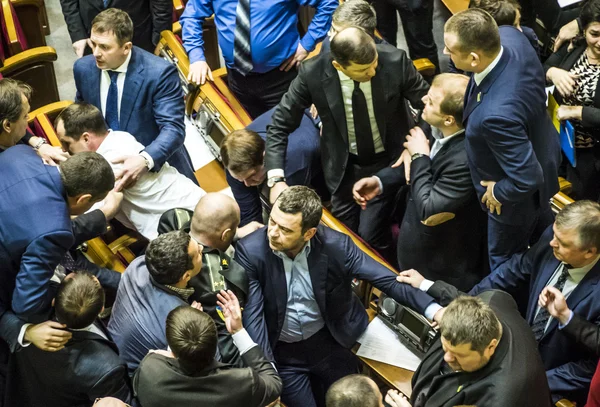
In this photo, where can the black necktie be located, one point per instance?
(362, 125)
(542, 317)
(242, 56)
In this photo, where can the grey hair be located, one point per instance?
(585, 217)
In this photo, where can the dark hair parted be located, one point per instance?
(167, 257)
(301, 199)
(358, 13)
(80, 118)
(352, 391)
(454, 87)
(476, 31)
(79, 300)
(353, 45)
(504, 12)
(11, 103)
(590, 13)
(192, 337)
(470, 320)
(116, 21)
(584, 216)
(242, 150)
(87, 173)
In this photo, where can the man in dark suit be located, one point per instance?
(243, 155)
(137, 92)
(89, 365)
(360, 91)
(188, 372)
(565, 257)
(150, 18)
(512, 145)
(301, 308)
(485, 356)
(442, 233)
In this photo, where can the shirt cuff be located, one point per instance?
(380, 184)
(561, 326)
(495, 195)
(431, 310)
(197, 54)
(21, 338)
(150, 160)
(278, 172)
(242, 341)
(308, 42)
(425, 285)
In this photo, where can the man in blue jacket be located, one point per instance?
(137, 92)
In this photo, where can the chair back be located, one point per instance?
(12, 31)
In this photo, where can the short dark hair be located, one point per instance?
(454, 86)
(82, 117)
(242, 150)
(301, 199)
(11, 104)
(353, 45)
(470, 320)
(476, 30)
(352, 391)
(358, 13)
(590, 13)
(584, 216)
(504, 12)
(87, 173)
(116, 21)
(79, 300)
(167, 257)
(192, 337)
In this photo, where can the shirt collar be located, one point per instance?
(577, 274)
(124, 65)
(184, 293)
(444, 140)
(304, 251)
(479, 77)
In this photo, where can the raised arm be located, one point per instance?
(320, 23)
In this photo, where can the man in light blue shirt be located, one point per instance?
(260, 44)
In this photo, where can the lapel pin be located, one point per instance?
(479, 97)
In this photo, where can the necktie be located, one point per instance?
(242, 57)
(106, 3)
(112, 102)
(362, 125)
(542, 317)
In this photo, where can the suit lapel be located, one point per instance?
(541, 282)
(335, 99)
(95, 88)
(317, 268)
(278, 285)
(378, 94)
(133, 82)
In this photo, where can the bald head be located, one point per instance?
(216, 216)
(353, 45)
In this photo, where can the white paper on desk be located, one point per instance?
(565, 3)
(379, 342)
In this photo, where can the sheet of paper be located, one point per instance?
(566, 3)
(379, 342)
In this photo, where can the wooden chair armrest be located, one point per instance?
(564, 186)
(22, 59)
(424, 66)
(99, 253)
(48, 130)
(176, 28)
(121, 246)
(52, 109)
(559, 201)
(564, 403)
(179, 6)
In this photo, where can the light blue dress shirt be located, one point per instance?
(302, 315)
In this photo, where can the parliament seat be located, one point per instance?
(31, 14)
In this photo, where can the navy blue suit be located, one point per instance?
(302, 163)
(569, 366)
(152, 106)
(511, 140)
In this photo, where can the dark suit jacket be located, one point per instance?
(514, 376)
(510, 138)
(35, 230)
(88, 367)
(454, 251)
(150, 18)
(569, 367)
(334, 260)
(302, 164)
(161, 381)
(152, 107)
(395, 81)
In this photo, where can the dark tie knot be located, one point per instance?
(356, 85)
(113, 76)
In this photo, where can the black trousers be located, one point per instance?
(259, 92)
(417, 22)
(373, 224)
(585, 177)
(309, 367)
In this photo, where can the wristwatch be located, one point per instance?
(272, 181)
(40, 143)
(415, 156)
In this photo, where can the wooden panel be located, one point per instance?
(211, 177)
(14, 45)
(456, 6)
(31, 16)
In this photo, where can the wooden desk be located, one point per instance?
(394, 377)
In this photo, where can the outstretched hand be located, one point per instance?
(231, 311)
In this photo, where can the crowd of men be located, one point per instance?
(449, 179)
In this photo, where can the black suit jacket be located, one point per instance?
(454, 251)
(514, 376)
(160, 381)
(334, 261)
(318, 83)
(150, 18)
(88, 367)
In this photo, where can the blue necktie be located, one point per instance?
(112, 102)
(106, 3)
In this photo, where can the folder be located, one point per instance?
(567, 141)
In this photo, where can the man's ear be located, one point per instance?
(449, 121)
(225, 235)
(337, 66)
(127, 47)
(6, 127)
(309, 234)
(86, 137)
(83, 199)
(475, 59)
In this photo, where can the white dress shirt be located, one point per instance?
(479, 77)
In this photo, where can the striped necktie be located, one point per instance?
(542, 317)
(242, 56)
